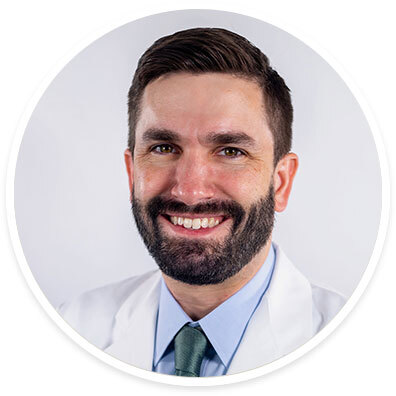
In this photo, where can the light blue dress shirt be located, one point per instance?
(224, 326)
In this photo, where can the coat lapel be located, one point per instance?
(282, 322)
(258, 345)
(135, 324)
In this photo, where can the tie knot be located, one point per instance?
(190, 348)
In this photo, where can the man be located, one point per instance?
(209, 163)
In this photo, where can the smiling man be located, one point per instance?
(209, 164)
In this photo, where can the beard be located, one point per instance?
(204, 262)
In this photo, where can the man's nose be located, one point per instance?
(193, 180)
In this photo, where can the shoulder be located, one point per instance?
(326, 304)
(92, 314)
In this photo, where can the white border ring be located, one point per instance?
(207, 381)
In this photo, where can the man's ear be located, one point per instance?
(129, 167)
(284, 173)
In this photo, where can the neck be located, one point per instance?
(197, 301)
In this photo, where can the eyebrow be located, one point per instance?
(230, 137)
(218, 138)
(155, 134)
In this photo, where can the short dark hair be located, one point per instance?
(215, 50)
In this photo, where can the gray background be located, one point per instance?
(71, 190)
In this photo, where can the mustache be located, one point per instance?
(230, 209)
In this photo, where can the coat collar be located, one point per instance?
(282, 322)
(135, 323)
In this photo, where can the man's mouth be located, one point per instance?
(194, 222)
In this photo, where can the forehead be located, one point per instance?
(196, 104)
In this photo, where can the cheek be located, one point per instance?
(150, 182)
(245, 184)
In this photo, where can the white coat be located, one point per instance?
(121, 318)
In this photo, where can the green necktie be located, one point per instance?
(190, 347)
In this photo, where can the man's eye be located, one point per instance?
(163, 149)
(231, 152)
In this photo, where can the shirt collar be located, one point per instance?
(220, 326)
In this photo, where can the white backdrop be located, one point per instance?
(71, 195)
(36, 355)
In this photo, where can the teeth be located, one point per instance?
(195, 224)
(204, 223)
(187, 223)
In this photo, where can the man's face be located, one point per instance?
(202, 175)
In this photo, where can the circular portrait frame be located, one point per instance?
(45, 302)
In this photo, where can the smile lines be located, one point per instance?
(195, 224)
